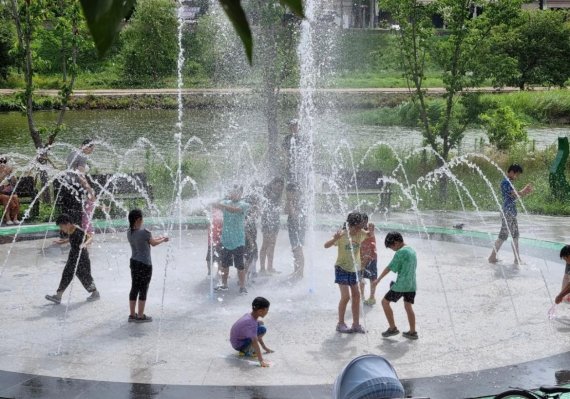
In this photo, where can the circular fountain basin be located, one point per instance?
(471, 316)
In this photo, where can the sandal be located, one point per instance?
(144, 319)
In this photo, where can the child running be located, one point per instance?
(368, 263)
(78, 262)
(141, 264)
(564, 255)
(246, 335)
(347, 264)
(404, 264)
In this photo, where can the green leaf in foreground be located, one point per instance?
(104, 19)
(235, 13)
(295, 5)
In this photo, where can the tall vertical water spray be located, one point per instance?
(178, 182)
(178, 134)
(304, 162)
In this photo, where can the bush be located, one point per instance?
(504, 129)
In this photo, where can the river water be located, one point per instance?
(223, 129)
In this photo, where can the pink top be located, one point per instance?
(215, 227)
(368, 251)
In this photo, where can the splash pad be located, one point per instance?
(187, 344)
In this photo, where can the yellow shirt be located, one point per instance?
(349, 251)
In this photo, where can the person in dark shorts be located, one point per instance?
(233, 237)
(509, 224)
(404, 264)
(78, 262)
(140, 240)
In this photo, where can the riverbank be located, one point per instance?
(352, 98)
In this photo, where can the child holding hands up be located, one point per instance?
(348, 241)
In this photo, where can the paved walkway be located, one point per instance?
(472, 318)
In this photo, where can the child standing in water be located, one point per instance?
(141, 264)
(368, 263)
(270, 224)
(347, 264)
(296, 226)
(78, 262)
(404, 264)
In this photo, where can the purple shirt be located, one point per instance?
(244, 328)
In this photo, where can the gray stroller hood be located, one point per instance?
(368, 377)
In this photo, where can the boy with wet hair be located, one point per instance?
(404, 264)
(565, 255)
(509, 224)
(246, 335)
(78, 262)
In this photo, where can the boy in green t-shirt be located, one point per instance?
(404, 264)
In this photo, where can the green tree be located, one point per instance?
(29, 17)
(460, 53)
(149, 42)
(533, 48)
(104, 18)
(276, 38)
(51, 44)
(7, 39)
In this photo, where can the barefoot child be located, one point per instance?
(368, 260)
(141, 264)
(348, 241)
(246, 335)
(509, 224)
(565, 255)
(78, 262)
(404, 264)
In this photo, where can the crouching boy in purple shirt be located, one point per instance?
(247, 333)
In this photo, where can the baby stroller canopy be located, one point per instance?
(368, 377)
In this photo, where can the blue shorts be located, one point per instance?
(245, 345)
(342, 277)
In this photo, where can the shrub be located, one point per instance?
(504, 129)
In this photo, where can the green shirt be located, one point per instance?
(404, 264)
(349, 252)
